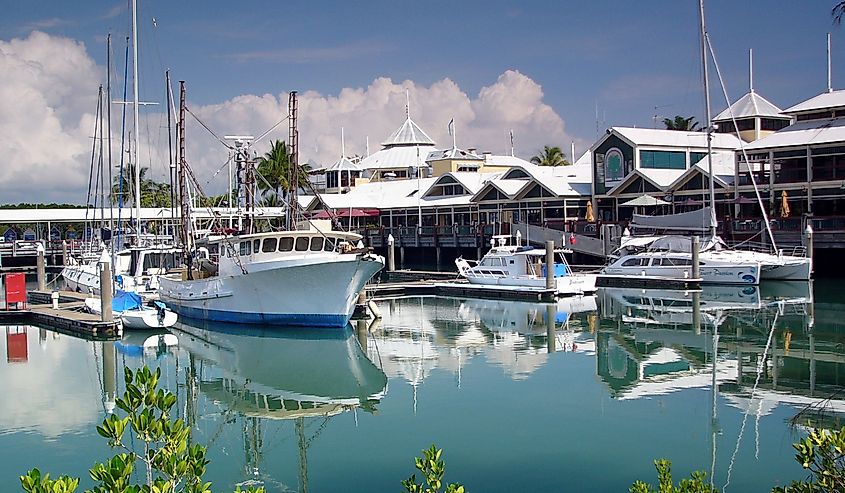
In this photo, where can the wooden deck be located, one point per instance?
(70, 317)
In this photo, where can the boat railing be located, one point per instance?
(795, 251)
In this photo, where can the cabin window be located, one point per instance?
(316, 244)
(256, 246)
(302, 244)
(677, 262)
(245, 248)
(285, 244)
(328, 245)
(269, 245)
(631, 262)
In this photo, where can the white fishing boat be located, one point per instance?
(309, 278)
(522, 266)
(130, 308)
(669, 257)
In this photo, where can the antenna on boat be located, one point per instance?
(246, 179)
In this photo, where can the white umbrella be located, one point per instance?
(644, 201)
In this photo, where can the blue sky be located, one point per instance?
(632, 60)
(627, 57)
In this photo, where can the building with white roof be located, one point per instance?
(403, 154)
(630, 162)
(803, 163)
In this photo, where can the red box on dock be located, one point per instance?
(15, 289)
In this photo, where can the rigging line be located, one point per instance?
(255, 141)
(751, 398)
(91, 169)
(208, 128)
(741, 142)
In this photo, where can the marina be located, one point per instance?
(623, 376)
(248, 255)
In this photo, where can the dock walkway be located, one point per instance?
(70, 317)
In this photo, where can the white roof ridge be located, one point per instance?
(409, 133)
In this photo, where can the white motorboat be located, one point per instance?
(309, 278)
(669, 257)
(518, 266)
(129, 307)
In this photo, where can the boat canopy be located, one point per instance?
(682, 244)
(125, 300)
(699, 220)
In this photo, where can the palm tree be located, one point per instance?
(550, 156)
(681, 123)
(274, 167)
(838, 12)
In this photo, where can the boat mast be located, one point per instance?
(707, 123)
(293, 171)
(135, 117)
(169, 96)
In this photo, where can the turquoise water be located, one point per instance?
(577, 396)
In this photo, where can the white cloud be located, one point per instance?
(48, 89)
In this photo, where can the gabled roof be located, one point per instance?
(453, 153)
(660, 178)
(507, 187)
(407, 135)
(808, 132)
(748, 106)
(672, 138)
(470, 180)
(825, 100)
(723, 171)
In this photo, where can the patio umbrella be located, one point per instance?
(589, 216)
(644, 201)
(784, 205)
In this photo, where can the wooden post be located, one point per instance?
(696, 268)
(391, 254)
(550, 264)
(105, 292)
(42, 281)
(64, 252)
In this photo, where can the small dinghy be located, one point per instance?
(132, 312)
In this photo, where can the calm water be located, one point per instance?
(577, 396)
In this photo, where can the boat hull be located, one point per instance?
(315, 294)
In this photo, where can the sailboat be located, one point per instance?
(136, 268)
(719, 264)
(303, 277)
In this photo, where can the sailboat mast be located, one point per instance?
(135, 117)
(708, 117)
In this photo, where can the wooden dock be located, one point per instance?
(70, 317)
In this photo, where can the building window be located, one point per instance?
(614, 165)
(663, 159)
(331, 179)
(773, 124)
(819, 115)
(695, 157)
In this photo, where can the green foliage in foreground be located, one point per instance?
(432, 468)
(822, 454)
(696, 483)
(170, 463)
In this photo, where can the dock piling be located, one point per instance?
(550, 264)
(64, 252)
(696, 267)
(391, 254)
(551, 313)
(105, 291)
(808, 244)
(40, 267)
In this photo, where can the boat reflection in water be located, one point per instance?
(418, 335)
(283, 373)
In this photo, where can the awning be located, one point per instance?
(348, 213)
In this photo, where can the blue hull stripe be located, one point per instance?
(298, 319)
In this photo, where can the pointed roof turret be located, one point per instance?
(748, 106)
(343, 164)
(409, 134)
